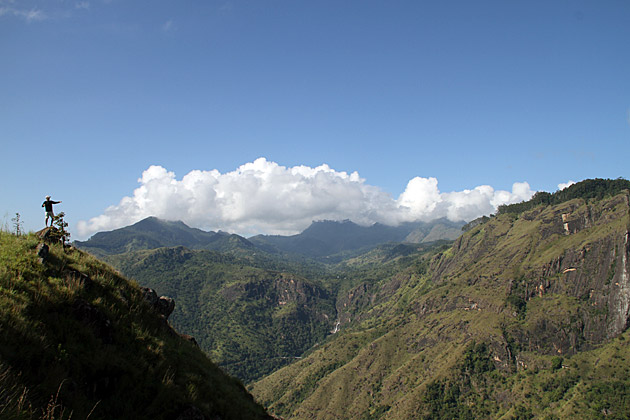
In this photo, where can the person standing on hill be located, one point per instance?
(48, 204)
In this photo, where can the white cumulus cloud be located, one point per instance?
(264, 197)
(422, 200)
(564, 185)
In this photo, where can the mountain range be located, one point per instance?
(256, 304)
(523, 314)
(321, 239)
(327, 238)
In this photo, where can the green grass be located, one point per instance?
(121, 360)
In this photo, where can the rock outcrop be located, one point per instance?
(163, 305)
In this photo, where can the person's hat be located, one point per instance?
(47, 197)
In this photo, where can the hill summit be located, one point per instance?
(149, 233)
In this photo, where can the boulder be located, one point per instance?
(165, 306)
(44, 234)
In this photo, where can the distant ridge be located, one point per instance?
(329, 237)
(321, 239)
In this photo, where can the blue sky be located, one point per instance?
(426, 102)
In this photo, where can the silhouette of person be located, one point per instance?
(48, 204)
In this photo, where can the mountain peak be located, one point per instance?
(148, 233)
(150, 222)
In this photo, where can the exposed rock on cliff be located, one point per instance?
(516, 293)
(163, 305)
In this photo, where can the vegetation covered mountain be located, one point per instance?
(256, 312)
(321, 239)
(255, 307)
(326, 238)
(252, 310)
(250, 320)
(525, 316)
(151, 233)
(78, 340)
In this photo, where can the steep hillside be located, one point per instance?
(525, 316)
(79, 341)
(250, 320)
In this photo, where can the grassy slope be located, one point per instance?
(476, 337)
(115, 359)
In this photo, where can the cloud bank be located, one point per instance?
(264, 197)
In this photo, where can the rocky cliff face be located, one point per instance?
(549, 282)
(578, 251)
